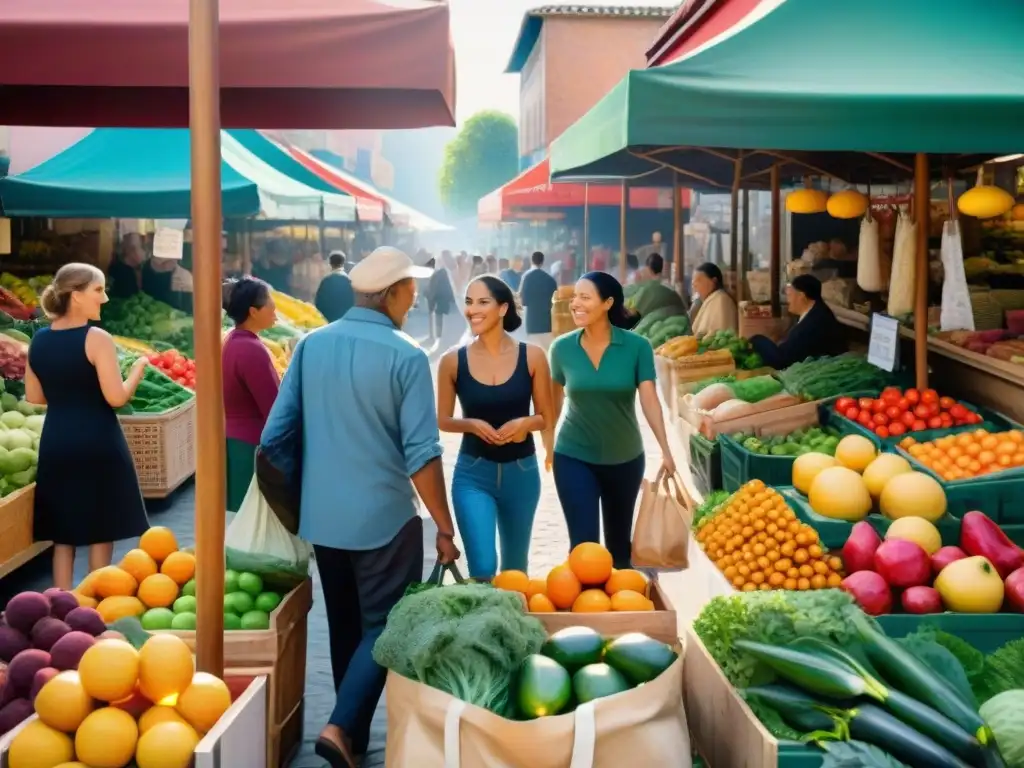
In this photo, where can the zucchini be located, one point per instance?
(915, 679)
(799, 710)
(874, 725)
(815, 673)
(935, 725)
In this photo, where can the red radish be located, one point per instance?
(945, 556)
(859, 550)
(903, 563)
(921, 600)
(1014, 595)
(870, 591)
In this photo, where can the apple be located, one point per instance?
(859, 550)
(870, 590)
(921, 600)
(903, 563)
(1015, 590)
(945, 556)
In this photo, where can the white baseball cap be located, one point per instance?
(384, 267)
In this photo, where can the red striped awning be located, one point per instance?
(533, 189)
(699, 23)
(370, 205)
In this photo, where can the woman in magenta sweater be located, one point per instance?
(250, 381)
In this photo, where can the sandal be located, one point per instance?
(336, 756)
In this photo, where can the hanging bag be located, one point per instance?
(957, 313)
(661, 538)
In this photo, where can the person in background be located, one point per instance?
(440, 296)
(656, 245)
(496, 485)
(477, 267)
(633, 274)
(817, 333)
(334, 296)
(491, 265)
(655, 294)
(717, 310)
(157, 276)
(125, 270)
(360, 466)
(597, 372)
(506, 272)
(87, 490)
(250, 380)
(536, 291)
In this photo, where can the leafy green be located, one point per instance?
(756, 389)
(709, 506)
(857, 754)
(924, 645)
(705, 383)
(821, 377)
(1004, 671)
(466, 640)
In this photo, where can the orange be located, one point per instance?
(204, 702)
(109, 670)
(158, 714)
(628, 600)
(592, 601)
(165, 668)
(536, 587)
(158, 591)
(513, 581)
(111, 581)
(540, 603)
(591, 563)
(119, 607)
(138, 563)
(563, 587)
(180, 566)
(627, 578)
(158, 542)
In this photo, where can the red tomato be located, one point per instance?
(190, 365)
(913, 396)
(865, 403)
(934, 422)
(903, 404)
(865, 419)
(890, 398)
(881, 431)
(852, 413)
(918, 425)
(974, 418)
(929, 396)
(922, 411)
(946, 419)
(893, 412)
(945, 403)
(889, 390)
(896, 428)
(958, 411)
(880, 419)
(908, 419)
(879, 406)
(843, 404)
(169, 357)
(154, 359)
(178, 368)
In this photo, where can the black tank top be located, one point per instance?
(497, 405)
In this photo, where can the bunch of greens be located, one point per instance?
(821, 377)
(466, 640)
(1003, 671)
(709, 507)
(742, 353)
(705, 383)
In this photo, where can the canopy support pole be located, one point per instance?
(678, 243)
(204, 124)
(745, 234)
(586, 227)
(622, 231)
(775, 265)
(922, 209)
(734, 233)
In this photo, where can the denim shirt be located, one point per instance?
(366, 400)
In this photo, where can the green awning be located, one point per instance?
(897, 77)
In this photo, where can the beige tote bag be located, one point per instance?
(646, 726)
(661, 538)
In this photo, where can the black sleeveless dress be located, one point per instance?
(497, 405)
(87, 490)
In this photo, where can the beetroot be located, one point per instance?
(903, 563)
(86, 620)
(39, 679)
(12, 715)
(1015, 591)
(870, 590)
(62, 602)
(66, 652)
(945, 556)
(921, 600)
(23, 668)
(859, 549)
(48, 631)
(25, 609)
(12, 642)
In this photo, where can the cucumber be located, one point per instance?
(876, 726)
(935, 725)
(595, 681)
(574, 647)
(797, 708)
(638, 657)
(544, 687)
(814, 673)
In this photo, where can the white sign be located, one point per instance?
(884, 344)
(168, 244)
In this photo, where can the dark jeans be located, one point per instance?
(360, 589)
(591, 493)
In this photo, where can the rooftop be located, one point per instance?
(533, 22)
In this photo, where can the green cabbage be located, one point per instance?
(1004, 714)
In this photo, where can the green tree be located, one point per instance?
(482, 156)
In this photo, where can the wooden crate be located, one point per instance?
(659, 624)
(777, 412)
(229, 743)
(163, 448)
(17, 545)
(279, 653)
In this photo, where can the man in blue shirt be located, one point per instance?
(362, 391)
(535, 291)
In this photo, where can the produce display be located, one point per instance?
(822, 377)
(21, 425)
(175, 366)
(744, 355)
(143, 317)
(969, 454)
(796, 443)
(299, 313)
(155, 583)
(752, 390)
(911, 569)
(659, 329)
(897, 412)
(11, 305)
(678, 347)
(585, 583)
(814, 668)
(26, 291)
(157, 392)
(124, 703)
(758, 543)
(13, 354)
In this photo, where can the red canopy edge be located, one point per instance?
(694, 24)
(370, 206)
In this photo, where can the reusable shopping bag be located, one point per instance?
(957, 313)
(257, 542)
(661, 538)
(645, 726)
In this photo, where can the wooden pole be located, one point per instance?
(745, 237)
(734, 232)
(775, 265)
(677, 233)
(204, 125)
(586, 227)
(622, 232)
(922, 208)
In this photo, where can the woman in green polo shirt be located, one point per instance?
(597, 372)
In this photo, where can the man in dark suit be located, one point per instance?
(535, 292)
(817, 333)
(334, 296)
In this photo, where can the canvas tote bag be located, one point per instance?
(661, 538)
(646, 726)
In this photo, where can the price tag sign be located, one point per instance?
(884, 343)
(168, 243)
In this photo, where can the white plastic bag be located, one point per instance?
(256, 542)
(902, 281)
(872, 266)
(957, 313)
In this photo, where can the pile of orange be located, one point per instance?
(969, 454)
(585, 583)
(758, 543)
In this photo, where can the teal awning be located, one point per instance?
(944, 77)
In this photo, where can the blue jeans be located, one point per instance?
(492, 498)
(592, 493)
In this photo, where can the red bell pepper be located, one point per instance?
(979, 535)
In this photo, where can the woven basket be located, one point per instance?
(163, 447)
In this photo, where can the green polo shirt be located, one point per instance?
(599, 415)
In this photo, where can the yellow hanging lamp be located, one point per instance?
(848, 204)
(983, 201)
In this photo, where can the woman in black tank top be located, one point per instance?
(496, 379)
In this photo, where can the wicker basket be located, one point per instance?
(163, 448)
(561, 318)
